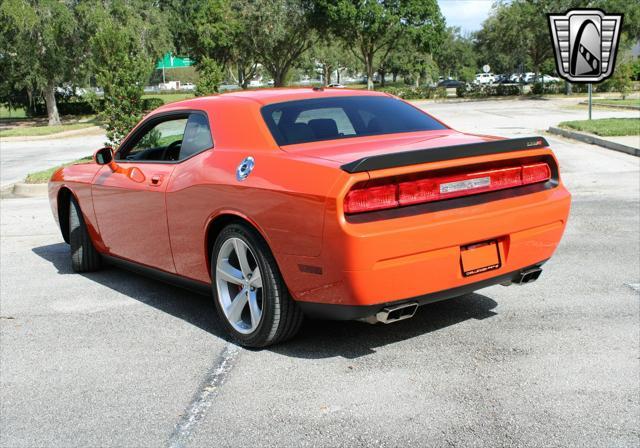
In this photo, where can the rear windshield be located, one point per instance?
(342, 117)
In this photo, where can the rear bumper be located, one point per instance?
(352, 312)
(368, 265)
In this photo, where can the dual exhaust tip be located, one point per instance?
(407, 310)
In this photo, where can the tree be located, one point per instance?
(331, 56)
(372, 29)
(125, 39)
(621, 79)
(211, 76)
(456, 55)
(40, 49)
(277, 32)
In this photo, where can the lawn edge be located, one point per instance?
(594, 140)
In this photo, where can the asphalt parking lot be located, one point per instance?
(114, 359)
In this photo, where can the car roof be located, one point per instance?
(271, 95)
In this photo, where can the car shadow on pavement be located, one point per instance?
(351, 339)
(317, 339)
(193, 308)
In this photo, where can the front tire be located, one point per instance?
(250, 295)
(84, 256)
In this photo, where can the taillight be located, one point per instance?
(537, 172)
(372, 198)
(418, 191)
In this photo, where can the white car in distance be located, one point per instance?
(484, 78)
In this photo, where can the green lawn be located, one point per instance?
(606, 127)
(12, 113)
(618, 102)
(31, 131)
(169, 97)
(42, 177)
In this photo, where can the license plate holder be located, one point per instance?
(479, 257)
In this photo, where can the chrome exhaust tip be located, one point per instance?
(397, 312)
(529, 276)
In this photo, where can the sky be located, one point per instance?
(466, 14)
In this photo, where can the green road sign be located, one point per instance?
(170, 61)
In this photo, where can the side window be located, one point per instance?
(162, 142)
(197, 136)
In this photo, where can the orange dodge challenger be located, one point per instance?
(332, 203)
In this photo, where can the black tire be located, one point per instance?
(281, 316)
(84, 256)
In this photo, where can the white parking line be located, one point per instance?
(204, 396)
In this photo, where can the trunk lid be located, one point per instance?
(350, 149)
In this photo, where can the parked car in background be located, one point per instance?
(506, 79)
(188, 86)
(484, 78)
(528, 77)
(547, 78)
(450, 83)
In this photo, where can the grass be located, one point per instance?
(37, 130)
(618, 102)
(6, 113)
(169, 97)
(606, 127)
(42, 177)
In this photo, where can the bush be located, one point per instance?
(536, 89)
(506, 90)
(210, 77)
(440, 92)
(411, 93)
(76, 108)
(149, 104)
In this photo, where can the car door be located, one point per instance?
(129, 201)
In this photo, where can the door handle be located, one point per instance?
(156, 180)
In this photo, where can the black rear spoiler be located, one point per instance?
(396, 159)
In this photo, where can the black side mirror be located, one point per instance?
(103, 156)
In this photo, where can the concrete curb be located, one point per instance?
(595, 140)
(24, 190)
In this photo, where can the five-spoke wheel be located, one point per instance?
(239, 285)
(250, 294)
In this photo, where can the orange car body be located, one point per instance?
(334, 264)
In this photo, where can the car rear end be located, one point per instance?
(410, 235)
(418, 217)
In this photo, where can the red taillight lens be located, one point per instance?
(537, 172)
(443, 187)
(447, 187)
(372, 198)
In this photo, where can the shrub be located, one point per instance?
(210, 77)
(506, 90)
(440, 92)
(536, 89)
(410, 93)
(149, 104)
(621, 79)
(76, 108)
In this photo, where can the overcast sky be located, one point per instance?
(467, 14)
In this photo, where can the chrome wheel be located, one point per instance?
(239, 285)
